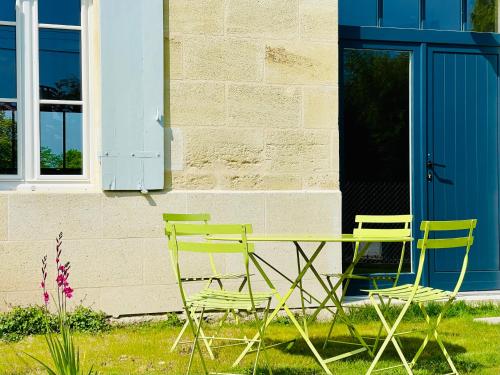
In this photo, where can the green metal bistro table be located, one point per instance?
(321, 240)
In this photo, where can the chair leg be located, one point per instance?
(335, 315)
(179, 336)
(181, 333)
(196, 345)
(390, 337)
(433, 332)
(261, 327)
(205, 341)
(385, 308)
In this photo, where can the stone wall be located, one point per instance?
(252, 90)
(251, 104)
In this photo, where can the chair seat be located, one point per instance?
(362, 276)
(403, 292)
(214, 299)
(225, 276)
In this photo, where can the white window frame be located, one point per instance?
(28, 100)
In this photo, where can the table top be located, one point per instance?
(310, 237)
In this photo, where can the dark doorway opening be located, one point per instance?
(375, 147)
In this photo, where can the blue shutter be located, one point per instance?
(132, 155)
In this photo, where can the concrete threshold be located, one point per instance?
(473, 297)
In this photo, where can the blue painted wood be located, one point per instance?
(464, 139)
(132, 94)
(405, 36)
(358, 12)
(443, 14)
(400, 13)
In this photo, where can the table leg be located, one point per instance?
(331, 295)
(301, 289)
(282, 304)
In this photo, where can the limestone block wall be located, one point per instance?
(253, 94)
(251, 108)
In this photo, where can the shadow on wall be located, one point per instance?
(169, 136)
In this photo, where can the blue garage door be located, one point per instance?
(463, 175)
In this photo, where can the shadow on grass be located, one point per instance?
(431, 359)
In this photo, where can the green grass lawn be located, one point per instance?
(144, 349)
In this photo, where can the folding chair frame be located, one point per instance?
(359, 252)
(413, 296)
(216, 276)
(194, 312)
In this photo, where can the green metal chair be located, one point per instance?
(362, 221)
(218, 300)
(215, 276)
(450, 235)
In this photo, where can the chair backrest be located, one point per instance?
(451, 235)
(201, 218)
(193, 238)
(386, 226)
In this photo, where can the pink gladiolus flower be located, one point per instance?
(60, 280)
(46, 298)
(68, 292)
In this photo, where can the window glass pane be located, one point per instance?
(8, 10)
(358, 12)
(8, 62)
(60, 12)
(61, 139)
(443, 14)
(482, 15)
(60, 64)
(400, 13)
(8, 138)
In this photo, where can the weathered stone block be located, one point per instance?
(174, 149)
(21, 265)
(173, 58)
(223, 59)
(322, 181)
(4, 216)
(131, 214)
(319, 19)
(303, 211)
(268, 106)
(142, 299)
(196, 16)
(301, 62)
(39, 216)
(231, 207)
(276, 19)
(321, 107)
(289, 151)
(178, 180)
(196, 103)
(282, 181)
(105, 263)
(219, 149)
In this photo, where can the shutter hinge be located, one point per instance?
(145, 154)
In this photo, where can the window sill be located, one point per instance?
(49, 186)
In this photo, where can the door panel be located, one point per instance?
(463, 147)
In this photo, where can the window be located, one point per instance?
(43, 91)
(448, 15)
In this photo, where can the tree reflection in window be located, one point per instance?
(61, 139)
(483, 15)
(374, 139)
(8, 139)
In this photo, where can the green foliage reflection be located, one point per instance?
(484, 16)
(8, 141)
